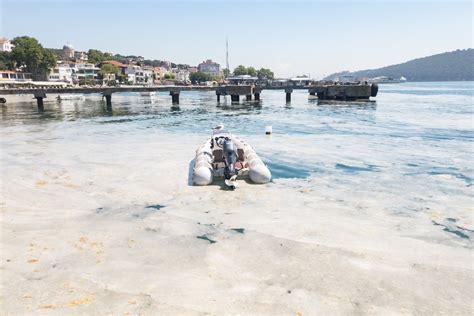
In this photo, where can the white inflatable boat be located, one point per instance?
(62, 97)
(147, 93)
(228, 156)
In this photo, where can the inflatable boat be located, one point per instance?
(62, 97)
(224, 155)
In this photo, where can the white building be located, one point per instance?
(86, 71)
(138, 75)
(62, 72)
(5, 45)
(209, 67)
(14, 76)
(181, 75)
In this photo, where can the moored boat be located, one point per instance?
(226, 155)
(61, 97)
(147, 93)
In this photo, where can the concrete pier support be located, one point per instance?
(218, 98)
(235, 98)
(108, 100)
(288, 92)
(39, 96)
(256, 92)
(248, 97)
(39, 100)
(174, 96)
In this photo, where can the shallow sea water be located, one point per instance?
(402, 164)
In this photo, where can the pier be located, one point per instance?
(349, 92)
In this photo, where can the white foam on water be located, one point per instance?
(100, 218)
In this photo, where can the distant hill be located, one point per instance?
(452, 66)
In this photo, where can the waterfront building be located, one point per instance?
(242, 79)
(279, 82)
(181, 75)
(5, 45)
(300, 81)
(86, 71)
(210, 67)
(61, 73)
(138, 75)
(14, 76)
(156, 75)
(144, 75)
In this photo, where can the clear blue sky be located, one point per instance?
(290, 37)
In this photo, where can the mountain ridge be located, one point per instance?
(449, 66)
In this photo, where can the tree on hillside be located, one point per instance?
(6, 62)
(29, 54)
(251, 71)
(198, 77)
(109, 73)
(451, 66)
(169, 77)
(226, 72)
(108, 69)
(95, 56)
(265, 73)
(240, 70)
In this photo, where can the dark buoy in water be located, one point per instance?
(268, 130)
(3, 100)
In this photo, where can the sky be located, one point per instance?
(292, 38)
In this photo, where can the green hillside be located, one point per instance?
(452, 66)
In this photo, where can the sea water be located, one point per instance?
(395, 173)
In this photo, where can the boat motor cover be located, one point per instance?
(230, 154)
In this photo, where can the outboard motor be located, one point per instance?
(230, 158)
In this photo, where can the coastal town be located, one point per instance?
(70, 67)
(93, 67)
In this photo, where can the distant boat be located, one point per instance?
(147, 93)
(70, 97)
(385, 79)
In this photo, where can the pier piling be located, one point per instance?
(108, 100)
(288, 92)
(235, 98)
(248, 97)
(39, 100)
(174, 96)
(257, 96)
(39, 96)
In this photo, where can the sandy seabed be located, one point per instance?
(96, 226)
